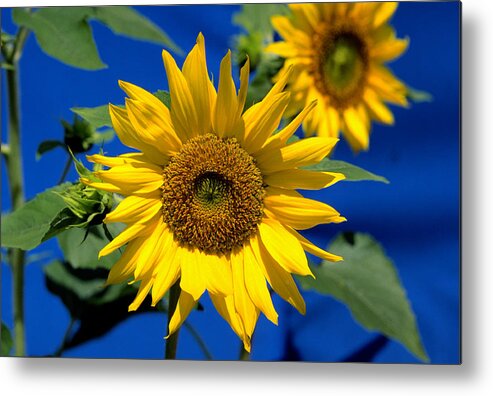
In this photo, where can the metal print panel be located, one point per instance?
(265, 182)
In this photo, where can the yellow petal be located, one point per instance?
(226, 308)
(217, 273)
(364, 12)
(167, 270)
(134, 209)
(125, 265)
(226, 109)
(106, 161)
(290, 208)
(103, 186)
(133, 179)
(281, 281)
(129, 158)
(302, 179)
(283, 49)
(387, 86)
(154, 245)
(384, 13)
(283, 247)
(378, 109)
(141, 95)
(192, 277)
(364, 115)
(315, 250)
(289, 33)
(242, 93)
(152, 128)
(356, 131)
(183, 111)
(185, 304)
(280, 139)
(259, 125)
(333, 121)
(341, 9)
(196, 74)
(389, 50)
(282, 79)
(244, 306)
(307, 16)
(131, 232)
(302, 153)
(144, 288)
(256, 285)
(128, 136)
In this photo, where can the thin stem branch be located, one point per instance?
(65, 169)
(200, 341)
(65, 339)
(16, 181)
(172, 341)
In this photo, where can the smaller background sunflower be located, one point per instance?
(338, 53)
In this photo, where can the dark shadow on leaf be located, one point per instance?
(368, 351)
(291, 353)
(96, 308)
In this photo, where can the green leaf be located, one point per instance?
(96, 307)
(46, 146)
(83, 287)
(6, 341)
(164, 97)
(418, 96)
(367, 282)
(98, 117)
(31, 224)
(63, 33)
(256, 17)
(352, 172)
(255, 20)
(81, 247)
(128, 22)
(103, 137)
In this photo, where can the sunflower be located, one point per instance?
(338, 52)
(210, 199)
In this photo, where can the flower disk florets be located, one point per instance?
(342, 65)
(212, 194)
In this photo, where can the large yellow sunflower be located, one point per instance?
(338, 52)
(210, 194)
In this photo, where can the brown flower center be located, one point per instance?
(212, 194)
(341, 64)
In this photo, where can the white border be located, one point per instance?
(127, 377)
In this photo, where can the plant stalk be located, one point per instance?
(65, 170)
(15, 176)
(244, 355)
(172, 341)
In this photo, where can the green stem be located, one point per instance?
(66, 169)
(172, 341)
(200, 341)
(13, 160)
(244, 355)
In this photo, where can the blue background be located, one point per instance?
(416, 217)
